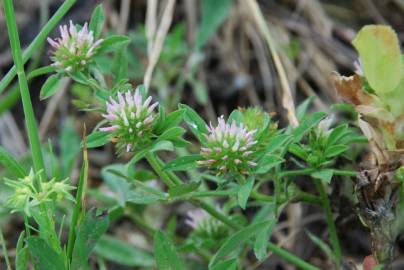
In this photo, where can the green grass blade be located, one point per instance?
(79, 199)
(30, 121)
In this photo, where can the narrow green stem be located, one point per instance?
(278, 194)
(27, 228)
(308, 171)
(300, 197)
(217, 214)
(210, 193)
(290, 257)
(4, 247)
(37, 42)
(30, 121)
(272, 247)
(141, 222)
(174, 178)
(330, 220)
(158, 168)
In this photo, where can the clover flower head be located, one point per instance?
(73, 50)
(229, 148)
(204, 225)
(131, 120)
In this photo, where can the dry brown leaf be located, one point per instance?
(350, 89)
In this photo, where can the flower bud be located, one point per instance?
(255, 118)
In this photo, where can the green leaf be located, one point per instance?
(201, 93)
(277, 142)
(97, 21)
(119, 186)
(79, 77)
(89, 232)
(183, 163)
(380, 53)
(143, 197)
(235, 116)
(337, 133)
(122, 253)
(11, 165)
(113, 42)
(41, 71)
(195, 123)
(268, 162)
(44, 257)
(47, 230)
(50, 87)
(323, 174)
(213, 15)
(226, 265)
(165, 253)
(263, 237)
(21, 253)
(245, 191)
(335, 150)
(171, 120)
(69, 143)
(97, 139)
(162, 146)
(308, 123)
(301, 110)
(120, 64)
(138, 156)
(298, 150)
(236, 240)
(172, 133)
(116, 178)
(183, 189)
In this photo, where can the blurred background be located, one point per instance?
(214, 58)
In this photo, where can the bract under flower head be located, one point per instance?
(74, 50)
(255, 118)
(229, 148)
(131, 120)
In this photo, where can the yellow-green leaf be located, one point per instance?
(379, 51)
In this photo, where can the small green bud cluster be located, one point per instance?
(30, 192)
